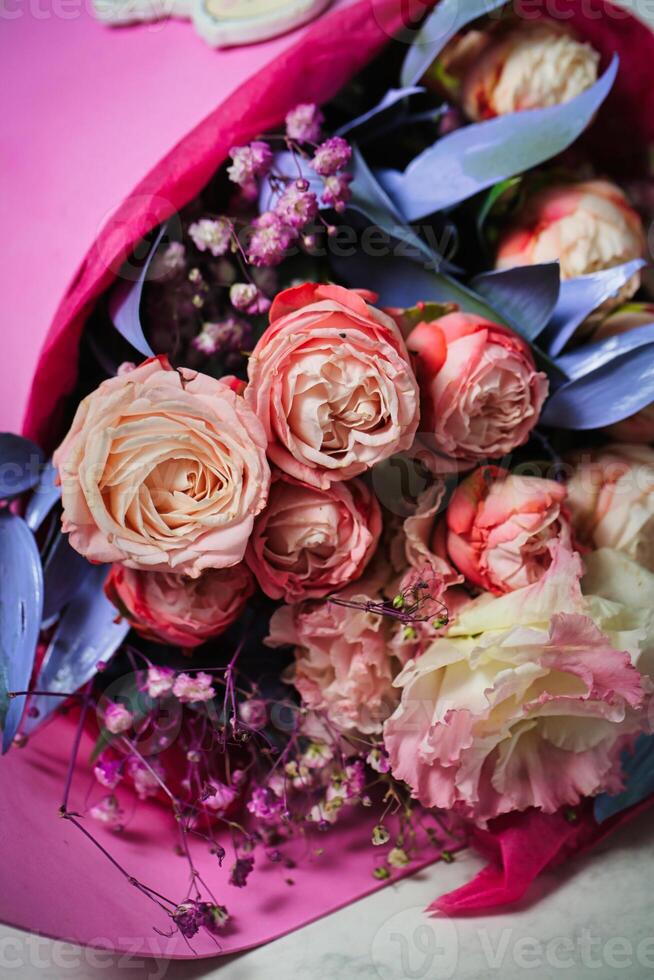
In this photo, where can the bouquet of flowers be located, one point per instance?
(347, 530)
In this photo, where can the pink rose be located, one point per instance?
(611, 500)
(163, 469)
(331, 382)
(176, 609)
(528, 701)
(343, 664)
(309, 542)
(500, 525)
(584, 227)
(638, 427)
(482, 395)
(527, 64)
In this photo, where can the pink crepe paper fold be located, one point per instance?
(520, 847)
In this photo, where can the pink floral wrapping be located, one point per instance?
(520, 846)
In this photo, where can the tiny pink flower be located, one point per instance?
(253, 713)
(160, 681)
(211, 235)
(168, 262)
(190, 689)
(303, 123)
(248, 298)
(108, 772)
(355, 779)
(331, 156)
(227, 335)
(296, 207)
(117, 718)
(220, 797)
(249, 162)
(378, 760)
(125, 368)
(144, 777)
(109, 812)
(336, 192)
(270, 239)
(317, 756)
(265, 804)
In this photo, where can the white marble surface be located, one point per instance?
(594, 918)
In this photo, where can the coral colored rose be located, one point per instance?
(611, 500)
(585, 227)
(482, 394)
(343, 664)
(500, 525)
(177, 609)
(330, 380)
(527, 702)
(163, 469)
(309, 542)
(638, 427)
(531, 65)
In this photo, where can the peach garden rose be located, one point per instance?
(611, 498)
(586, 227)
(163, 469)
(531, 65)
(481, 392)
(331, 382)
(309, 542)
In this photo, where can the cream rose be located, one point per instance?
(533, 65)
(163, 469)
(585, 227)
(331, 381)
(611, 500)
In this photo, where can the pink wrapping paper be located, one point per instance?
(57, 883)
(146, 135)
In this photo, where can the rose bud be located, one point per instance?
(524, 65)
(164, 470)
(500, 525)
(481, 392)
(638, 427)
(330, 380)
(175, 609)
(310, 542)
(584, 227)
(611, 500)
